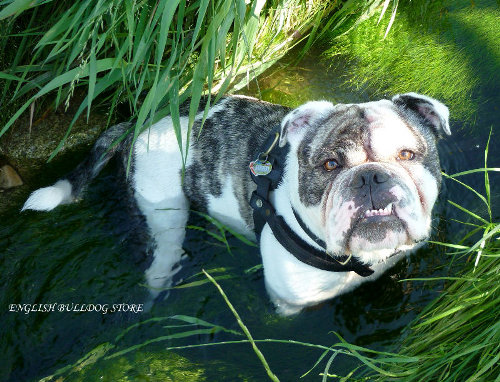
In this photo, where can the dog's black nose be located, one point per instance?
(369, 177)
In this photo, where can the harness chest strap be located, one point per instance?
(272, 160)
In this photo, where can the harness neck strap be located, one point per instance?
(267, 172)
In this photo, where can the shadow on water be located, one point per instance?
(474, 31)
(92, 252)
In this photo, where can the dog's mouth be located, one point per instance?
(371, 227)
(377, 229)
(374, 222)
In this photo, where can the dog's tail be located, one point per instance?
(67, 189)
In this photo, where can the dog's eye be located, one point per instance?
(331, 164)
(406, 155)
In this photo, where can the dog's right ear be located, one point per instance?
(296, 123)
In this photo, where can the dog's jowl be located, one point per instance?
(335, 194)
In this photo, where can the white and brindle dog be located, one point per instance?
(351, 184)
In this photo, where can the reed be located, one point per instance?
(148, 54)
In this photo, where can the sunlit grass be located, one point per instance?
(415, 55)
(480, 33)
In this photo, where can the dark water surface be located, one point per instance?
(93, 252)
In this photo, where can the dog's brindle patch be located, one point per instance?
(338, 134)
(224, 149)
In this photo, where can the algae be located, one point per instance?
(143, 366)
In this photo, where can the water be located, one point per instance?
(94, 252)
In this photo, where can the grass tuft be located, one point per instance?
(147, 54)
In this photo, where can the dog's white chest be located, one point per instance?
(293, 284)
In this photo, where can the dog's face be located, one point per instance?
(365, 176)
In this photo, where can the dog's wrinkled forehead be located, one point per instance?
(353, 134)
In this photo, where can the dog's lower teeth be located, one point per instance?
(380, 212)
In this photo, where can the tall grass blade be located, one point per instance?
(92, 72)
(384, 9)
(393, 17)
(328, 365)
(16, 7)
(271, 375)
(486, 175)
(476, 216)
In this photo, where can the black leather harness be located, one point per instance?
(273, 158)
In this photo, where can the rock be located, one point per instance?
(9, 178)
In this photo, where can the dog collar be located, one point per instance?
(266, 172)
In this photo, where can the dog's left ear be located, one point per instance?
(296, 123)
(431, 112)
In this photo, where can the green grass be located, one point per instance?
(421, 53)
(151, 55)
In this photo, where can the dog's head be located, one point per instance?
(364, 177)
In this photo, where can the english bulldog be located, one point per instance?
(335, 194)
